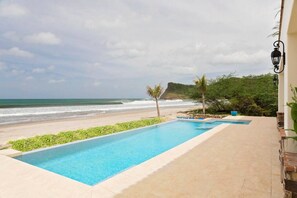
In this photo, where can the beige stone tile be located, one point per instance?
(224, 193)
(276, 186)
(258, 182)
(275, 170)
(101, 192)
(247, 193)
(228, 185)
(10, 152)
(23, 180)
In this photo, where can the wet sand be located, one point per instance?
(23, 130)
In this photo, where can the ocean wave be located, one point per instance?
(8, 114)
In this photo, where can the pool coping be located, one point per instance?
(123, 180)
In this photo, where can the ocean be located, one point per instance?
(14, 111)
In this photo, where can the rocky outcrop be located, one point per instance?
(178, 91)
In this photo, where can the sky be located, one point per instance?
(115, 48)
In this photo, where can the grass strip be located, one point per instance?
(43, 141)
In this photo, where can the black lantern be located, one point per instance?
(276, 57)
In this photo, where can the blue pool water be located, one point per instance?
(95, 160)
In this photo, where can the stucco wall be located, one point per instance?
(289, 37)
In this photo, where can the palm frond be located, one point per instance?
(277, 13)
(276, 26)
(201, 84)
(155, 92)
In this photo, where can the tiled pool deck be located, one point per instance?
(230, 161)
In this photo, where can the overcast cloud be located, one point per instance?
(114, 48)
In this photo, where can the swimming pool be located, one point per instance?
(92, 161)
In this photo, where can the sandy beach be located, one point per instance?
(18, 131)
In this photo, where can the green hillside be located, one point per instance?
(250, 95)
(178, 91)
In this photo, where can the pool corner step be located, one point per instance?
(10, 152)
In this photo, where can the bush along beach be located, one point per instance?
(43, 141)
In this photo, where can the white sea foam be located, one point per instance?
(15, 115)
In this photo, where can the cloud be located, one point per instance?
(12, 10)
(29, 78)
(56, 81)
(190, 49)
(117, 45)
(97, 64)
(126, 49)
(2, 66)
(127, 53)
(97, 84)
(17, 71)
(38, 70)
(240, 57)
(51, 67)
(11, 35)
(103, 23)
(46, 38)
(15, 51)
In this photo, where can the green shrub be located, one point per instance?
(219, 107)
(253, 110)
(43, 141)
(246, 106)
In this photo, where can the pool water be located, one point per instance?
(92, 161)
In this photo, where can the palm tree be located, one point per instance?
(155, 93)
(276, 27)
(201, 84)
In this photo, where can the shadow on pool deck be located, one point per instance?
(240, 161)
